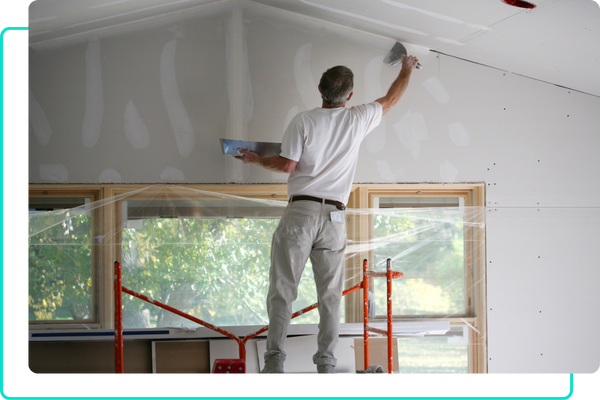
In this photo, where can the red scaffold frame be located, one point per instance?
(389, 275)
(364, 284)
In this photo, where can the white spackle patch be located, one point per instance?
(449, 41)
(39, 121)
(304, 80)
(281, 177)
(362, 17)
(423, 11)
(135, 129)
(94, 96)
(385, 172)
(448, 172)
(435, 87)
(180, 121)
(54, 173)
(375, 140)
(290, 115)
(109, 175)
(171, 174)
(411, 130)
(459, 135)
(480, 27)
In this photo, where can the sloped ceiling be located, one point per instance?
(557, 42)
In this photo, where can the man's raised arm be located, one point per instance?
(399, 86)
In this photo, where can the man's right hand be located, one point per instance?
(409, 63)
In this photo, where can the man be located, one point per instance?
(320, 151)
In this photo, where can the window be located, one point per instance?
(429, 249)
(436, 239)
(63, 258)
(205, 250)
(205, 254)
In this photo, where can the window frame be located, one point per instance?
(94, 194)
(361, 229)
(114, 216)
(362, 196)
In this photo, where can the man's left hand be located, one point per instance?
(247, 157)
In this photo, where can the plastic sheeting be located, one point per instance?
(208, 254)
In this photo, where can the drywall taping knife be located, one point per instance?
(263, 149)
(395, 55)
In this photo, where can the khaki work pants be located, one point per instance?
(306, 230)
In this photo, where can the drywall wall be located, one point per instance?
(148, 104)
(119, 103)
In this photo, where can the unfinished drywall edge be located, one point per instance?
(513, 73)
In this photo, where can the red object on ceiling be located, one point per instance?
(519, 3)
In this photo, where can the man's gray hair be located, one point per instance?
(336, 85)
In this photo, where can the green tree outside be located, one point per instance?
(214, 269)
(60, 270)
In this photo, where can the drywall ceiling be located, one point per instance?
(557, 42)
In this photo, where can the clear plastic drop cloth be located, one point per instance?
(208, 255)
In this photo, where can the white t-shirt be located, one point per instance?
(325, 143)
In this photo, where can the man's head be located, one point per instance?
(336, 85)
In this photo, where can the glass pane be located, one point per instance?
(430, 252)
(61, 285)
(216, 269)
(415, 202)
(434, 354)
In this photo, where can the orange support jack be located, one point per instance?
(389, 275)
(118, 320)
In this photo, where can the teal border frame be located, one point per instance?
(2, 204)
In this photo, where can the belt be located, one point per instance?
(338, 204)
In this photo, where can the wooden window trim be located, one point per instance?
(94, 193)
(113, 216)
(361, 197)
